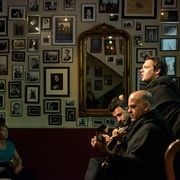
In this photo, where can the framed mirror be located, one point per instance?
(104, 54)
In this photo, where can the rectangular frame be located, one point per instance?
(16, 108)
(50, 5)
(46, 38)
(143, 9)
(82, 121)
(33, 110)
(64, 30)
(15, 89)
(88, 12)
(169, 16)
(69, 5)
(18, 56)
(4, 26)
(51, 56)
(33, 24)
(138, 40)
(32, 93)
(96, 121)
(33, 44)
(4, 48)
(128, 24)
(96, 45)
(18, 44)
(67, 55)
(32, 76)
(2, 101)
(2, 7)
(33, 62)
(3, 64)
(70, 114)
(17, 72)
(33, 6)
(151, 33)
(52, 105)
(169, 44)
(55, 119)
(45, 23)
(168, 4)
(169, 29)
(2, 85)
(108, 6)
(171, 64)
(177, 81)
(17, 13)
(142, 53)
(62, 87)
(19, 29)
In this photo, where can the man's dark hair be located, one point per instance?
(116, 102)
(159, 63)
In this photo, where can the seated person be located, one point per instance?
(10, 160)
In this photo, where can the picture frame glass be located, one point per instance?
(169, 44)
(88, 13)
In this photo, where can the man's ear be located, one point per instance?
(157, 71)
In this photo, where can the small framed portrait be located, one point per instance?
(70, 114)
(169, 29)
(3, 26)
(32, 77)
(17, 72)
(69, 5)
(18, 44)
(45, 23)
(151, 33)
(169, 16)
(46, 38)
(50, 56)
(33, 110)
(128, 24)
(96, 121)
(70, 103)
(67, 54)
(109, 6)
(4, 45)
(55, 119)
(33, 44)
(2, 85)
(14, 89)
(2, 101)
(33, 6)
(19, 28)
(167, 4)
(171, 63)
(138, 26)
(18, 56)
(88, 13)
(110, 59)
(3, 64)
(52, 106)
(82, 121)
(138, 40)
(33, 62)
(33, 24)
(96, 45)
(113, 17)
(110, 47)
(50, 5)
(16, 108)
(169, 44)
(32, 93)
(17, 13)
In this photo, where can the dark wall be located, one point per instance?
(58, 154)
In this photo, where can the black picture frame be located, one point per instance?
(33, 110)
(4, 64)
(18, 56)
(2, 85)
(32, 94)
(33, 24)
(52, 106)
(109, 7)
(3, 26)
(16, 108)
(15, 89)
(168, 4)
(169, 44)
(88, 12)
(70, 114)
(51, 56)
(2, 101)
(19, 28)
(4, 45)
(96, 121)
(169, 16)
(171, 62)
(45, 23)
(151, 33)
(82, 121)
(55, 120)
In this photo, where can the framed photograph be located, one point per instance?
(98, 85)
(169, 29)
(50, 5)
(67, 54)
(166, 4)
(169, 16)
(2, 6)
(56, 81)
(110, 121)
(33, 24)
(32, 76)
(138, 40)
(142, 53)
(169, 44)
(46, 38)
(18, 56)
(98, 71)
(33, 44)
(96, 45)
(171, 63)
(3, 64)
(2, 85)
(52, 106)
(138, 26)
(33, 110)
(70, 114)
(45, 23)
(177, 81)
(33, 6)
(142, 9)
(88, 12)
(55, 119)
(16, 108)
(107, 80)
(96, 121)
(128, 24)
(17, 72)
(69, 5)
(2, 101)
(113, 17)
(17, 13)
(3, 117)
(32, 93)
(109, 47)
(50, 56)
(33, 62)
(70, 102)
(19, 28)
(151, 33)
(18, 44)
(64, 30)
(15, 89)
(109, 6)
(3, 26)
(82, 121)
(4, 45)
